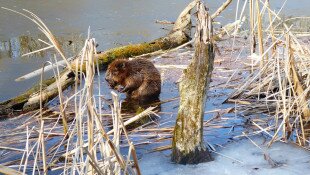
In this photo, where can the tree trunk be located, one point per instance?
(187, 144)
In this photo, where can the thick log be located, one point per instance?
(30, 100)
(187, 144)
(17, 103)
(168, 42)
(66, 79)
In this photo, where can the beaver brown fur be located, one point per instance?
(139, 78)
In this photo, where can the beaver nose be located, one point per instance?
(107, 77)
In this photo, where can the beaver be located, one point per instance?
(138, 78)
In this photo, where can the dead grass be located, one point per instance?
(278, 85)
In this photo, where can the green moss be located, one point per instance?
(18, 102)
(24, 97)
(139, 110)
(135, 50)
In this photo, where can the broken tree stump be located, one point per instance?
(187, 144)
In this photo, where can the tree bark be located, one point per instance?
(187, 144)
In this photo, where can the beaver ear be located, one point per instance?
(121, 65)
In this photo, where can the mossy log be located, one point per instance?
(17, 103)
(29, 100)
(172, 40)
(187, 144)
(66, 79)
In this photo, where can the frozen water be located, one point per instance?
(244, 159)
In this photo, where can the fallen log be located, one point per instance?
(30, 99)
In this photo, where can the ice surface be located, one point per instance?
(291, 160)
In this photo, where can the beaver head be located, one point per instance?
(117, 72)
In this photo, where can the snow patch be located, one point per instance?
(245, 159)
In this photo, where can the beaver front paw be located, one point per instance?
(119, 88)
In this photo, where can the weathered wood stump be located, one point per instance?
(187, 144)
